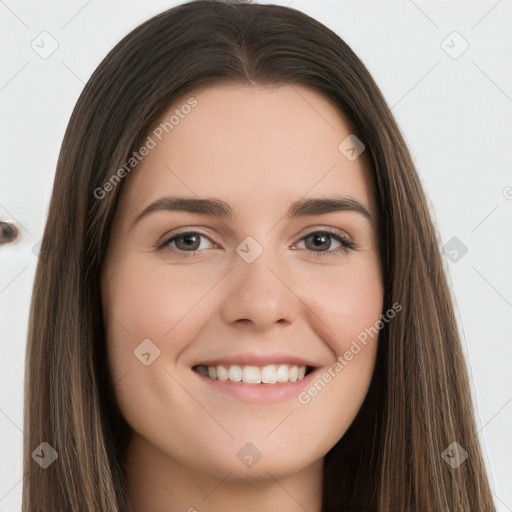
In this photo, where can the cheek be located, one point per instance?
(345, 306)
(147, 301)
(348, 300)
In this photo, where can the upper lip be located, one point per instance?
(257, 359)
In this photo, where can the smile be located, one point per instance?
(269, 374)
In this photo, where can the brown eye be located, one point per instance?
(188, 242)
(318, 241)
(321, 242)
(181, 243)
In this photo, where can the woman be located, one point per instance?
(304, 354)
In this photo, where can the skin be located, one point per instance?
(259, 149)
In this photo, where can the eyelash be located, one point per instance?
(346, 244)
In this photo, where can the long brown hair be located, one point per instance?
(419, 400)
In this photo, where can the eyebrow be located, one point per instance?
(221, 209)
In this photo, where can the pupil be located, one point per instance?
(323, 240)
(189, 239)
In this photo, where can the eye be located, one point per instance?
(188, 243)
(320, 241)
(184, 242)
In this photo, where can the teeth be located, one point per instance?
(282, 373)
(269, 374)
(253, 374)
(222, 373)
(202, 370)
(235, 373)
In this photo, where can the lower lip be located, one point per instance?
(260, 393)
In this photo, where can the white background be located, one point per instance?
(455, 113)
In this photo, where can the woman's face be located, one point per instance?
(256, 289)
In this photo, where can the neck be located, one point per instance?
(161, 484)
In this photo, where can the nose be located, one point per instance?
(259, 295)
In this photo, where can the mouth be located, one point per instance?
(248, 374)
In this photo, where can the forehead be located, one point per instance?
(249, 146)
